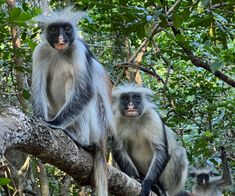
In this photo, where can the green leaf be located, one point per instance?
(198, 21)
(24, 17)
(219, 118)
(216, 65)
(208, 134)
(4, 181)
(163, 23)
(180, 38)
(15, 12)
(219, 17)
(177, 19)
(26, 94)
(205, 3)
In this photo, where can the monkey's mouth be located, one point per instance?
(203, 184)
(61, 46)
(132, 113)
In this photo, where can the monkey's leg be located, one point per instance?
(174, 175)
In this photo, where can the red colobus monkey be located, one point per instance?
(209, 185)
(144, 147)
(70, 88)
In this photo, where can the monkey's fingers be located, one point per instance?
(55, 123)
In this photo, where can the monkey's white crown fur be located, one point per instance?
(63, 15)
(206, 170)
(131, 87)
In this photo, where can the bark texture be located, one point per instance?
(17, 131)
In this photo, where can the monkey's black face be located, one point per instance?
(203, 179)
(60, 35)
(131, 104)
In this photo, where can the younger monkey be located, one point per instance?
(209, 185)
(145, 148)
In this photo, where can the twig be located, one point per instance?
(20, 175)
(166, 62)
(173, 7)
(133, 65)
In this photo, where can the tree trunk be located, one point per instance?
(18, 60)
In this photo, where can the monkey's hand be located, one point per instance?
(139, 178)
(146, 187)
(54, 123)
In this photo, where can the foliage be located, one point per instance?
(196, 104)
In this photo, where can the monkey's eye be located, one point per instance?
(125, 98)
(67, 29)
(52, 30)
(136, 97)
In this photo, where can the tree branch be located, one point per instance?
(133, 65)
(199, 63)
(17, 131)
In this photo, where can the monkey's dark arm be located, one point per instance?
(81, 97)
(159, 161)
(83, 93)
(123, 160)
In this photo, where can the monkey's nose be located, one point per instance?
(60, 41)
(131, 105)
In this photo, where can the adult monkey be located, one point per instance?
(70, 88)
(144, 147)
(209, 185)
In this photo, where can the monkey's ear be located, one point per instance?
(114, 99)
(149, 96)
(192, 174)
(213, 173)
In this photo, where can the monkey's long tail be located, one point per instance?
(100, 169)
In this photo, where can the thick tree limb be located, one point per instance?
(17, 131)
(199, 63)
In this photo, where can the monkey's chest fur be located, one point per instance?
(58, 83)
(137, 144)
